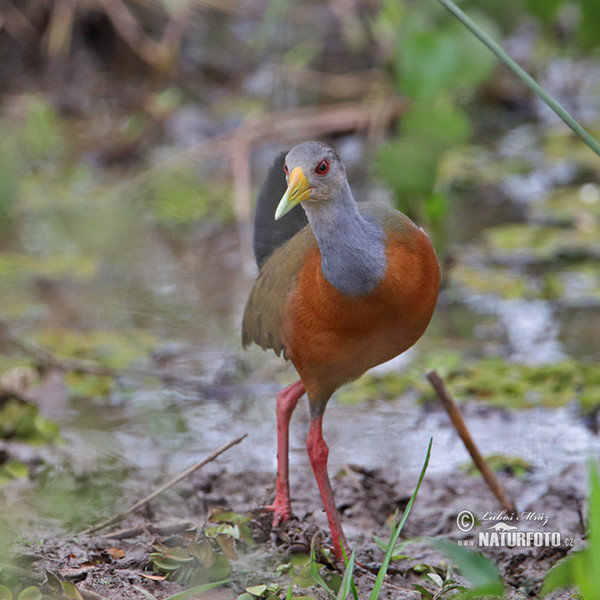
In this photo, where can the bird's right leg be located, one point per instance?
(286, 403)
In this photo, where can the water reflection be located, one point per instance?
(532, 331)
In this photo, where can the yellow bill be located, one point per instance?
(297, 191)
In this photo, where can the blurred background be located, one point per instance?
(134, 135)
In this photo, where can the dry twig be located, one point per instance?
(489, 476)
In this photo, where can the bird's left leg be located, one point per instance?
(286, 403)
(318, 452)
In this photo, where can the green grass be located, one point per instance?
(580, 569)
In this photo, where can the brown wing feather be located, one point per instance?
(262, 321)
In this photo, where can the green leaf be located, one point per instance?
(71, 591)
(481, 571)
(436, 579)
(5, 593)
(290, 592)
(590, 17)
(436, 207)
(316, 576)
(425, 593)
(441, 123)
(165, 564)
(257, 590)
(16, 469)
(203, 552)
(594, 513)
(561, 575)
(30, 593)
(220, 569)
(544, 9)
(408, 165)
(427, 63)
(580, 568)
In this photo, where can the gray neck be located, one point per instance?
(352, 247)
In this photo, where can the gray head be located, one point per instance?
(352, 247)
(315, 174)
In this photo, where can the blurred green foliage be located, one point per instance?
(580, 569)
(75, 497)
(516, 466)
(489, 380)
(439, 65)
(435, 62)
(114, 349)
(22, 421)
(179, 198)
(13, 469)
(28, 142)
(7, 177)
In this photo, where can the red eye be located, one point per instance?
(285, 169)
(322, 167)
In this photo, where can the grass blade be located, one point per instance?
(316, 576)
(347, 579)
(522, 74)
(396, 532)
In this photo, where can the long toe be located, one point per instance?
(281, 512)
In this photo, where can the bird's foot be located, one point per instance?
(282, 511)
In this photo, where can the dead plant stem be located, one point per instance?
(457, 420)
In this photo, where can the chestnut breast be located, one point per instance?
(333, 338)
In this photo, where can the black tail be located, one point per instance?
(269, 234)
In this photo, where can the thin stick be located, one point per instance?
(522, 74)
(489, 476)
(163, 488)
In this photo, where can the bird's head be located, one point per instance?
(314, 173)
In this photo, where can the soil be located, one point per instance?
(117, 564)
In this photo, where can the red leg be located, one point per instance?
(318, 452)
(286, 403)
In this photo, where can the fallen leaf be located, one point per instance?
(71, 591)
(153, 577)
(116, 553)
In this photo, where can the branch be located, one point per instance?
(489, 476)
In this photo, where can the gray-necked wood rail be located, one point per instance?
(342, 287)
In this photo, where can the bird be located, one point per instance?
(342, 287)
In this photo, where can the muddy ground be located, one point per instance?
(116, 563)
